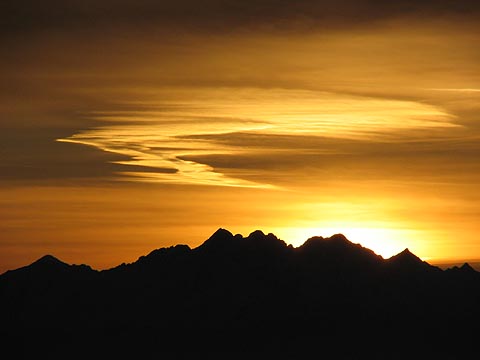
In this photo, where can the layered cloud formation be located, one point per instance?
(298, 116)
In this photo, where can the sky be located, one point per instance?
(127, 126)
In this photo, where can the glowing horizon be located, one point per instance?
(121, 134)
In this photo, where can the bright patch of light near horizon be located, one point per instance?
(172, 128)
(385, 242)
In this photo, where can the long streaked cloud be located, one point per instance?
(386, 141)
(458, 90)
(185, 130)
(115, 83)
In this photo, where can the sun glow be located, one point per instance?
(385, 242)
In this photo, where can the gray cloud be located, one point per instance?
(32, 155)
(31, 16)
(296, 159)
(49, 83)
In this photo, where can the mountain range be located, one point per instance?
(239, 295)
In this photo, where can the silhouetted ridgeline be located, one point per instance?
(238, 294)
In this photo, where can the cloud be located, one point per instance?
(29, 16)
(264, 130)
(86, 75)
(27, 156)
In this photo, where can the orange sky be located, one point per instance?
(128, 126)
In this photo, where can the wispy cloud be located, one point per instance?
(185, 128)
(466, 90)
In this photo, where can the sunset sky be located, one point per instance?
(126, 126)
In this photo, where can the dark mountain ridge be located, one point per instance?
(236, 294)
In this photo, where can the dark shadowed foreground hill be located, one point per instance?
(236, 295)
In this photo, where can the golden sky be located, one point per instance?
(127, 126)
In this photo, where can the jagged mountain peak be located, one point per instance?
(332, 241)
(48, 259)
(259, 235)
(48, 262)
(256, 234)
(219, 240)
(336, 250)
(339, 237)
(254, 285)
(406, 252)
(221, 233)
(467, 268)
(408, 261)
(406, 255)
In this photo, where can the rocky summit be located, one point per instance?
(235, 295)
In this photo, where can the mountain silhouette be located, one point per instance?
(236, 295)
